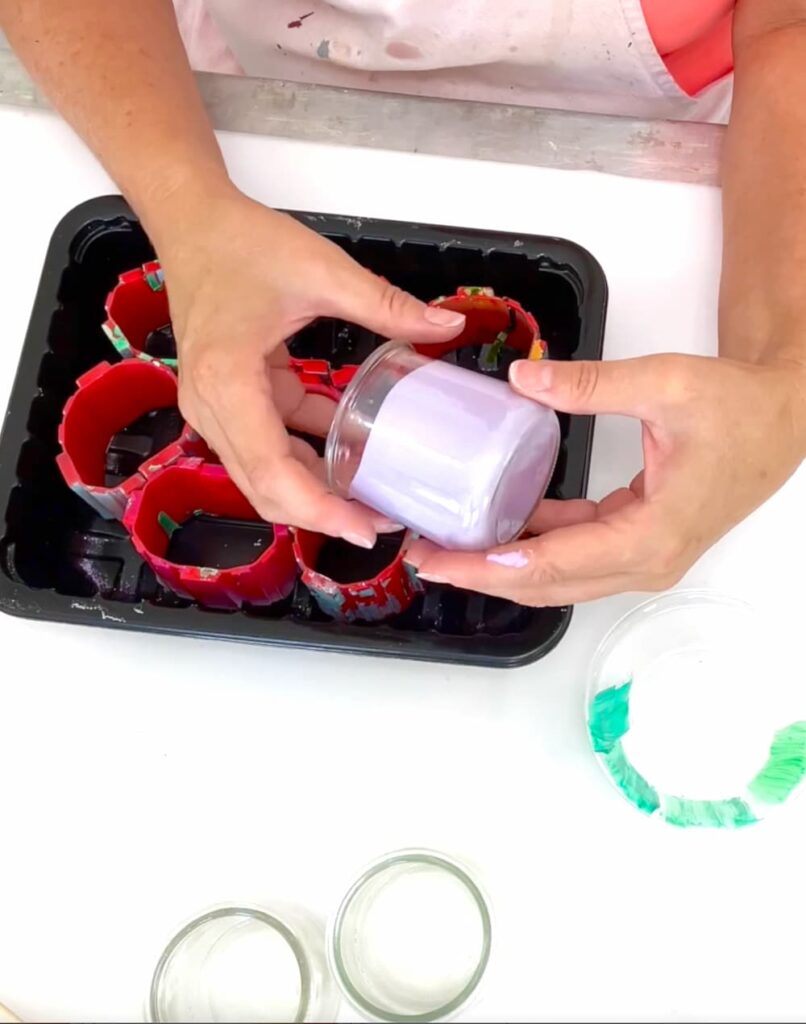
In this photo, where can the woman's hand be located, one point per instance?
(719, 437)
(242, 279)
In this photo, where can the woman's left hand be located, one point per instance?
(719, 437)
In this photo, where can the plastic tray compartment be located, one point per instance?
(59, 560)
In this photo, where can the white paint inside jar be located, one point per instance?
(458, 457)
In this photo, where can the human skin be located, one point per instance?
(119, 74)
(719, 435)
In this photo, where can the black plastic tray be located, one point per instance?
(60, 561)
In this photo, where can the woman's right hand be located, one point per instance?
(241, 280)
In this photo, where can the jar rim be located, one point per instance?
(378, 867)
(256, 914)
(346, 405)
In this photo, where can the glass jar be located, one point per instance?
(456, 456)
(242, 963)
(411, 940)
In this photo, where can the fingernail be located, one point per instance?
(429, 578)
(359, 541)
(509, 559)
(443, 317)
(531, 376)
(387, 526)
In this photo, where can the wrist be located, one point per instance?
(789, 376)
(760, 335)
(177, 202)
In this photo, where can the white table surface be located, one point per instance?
(146, 777)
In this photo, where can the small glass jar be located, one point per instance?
(244, 964)
(411, 940)
(456, 456)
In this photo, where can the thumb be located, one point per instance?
(626, 386)
(378, 305)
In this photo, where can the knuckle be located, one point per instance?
(542, 574)
(392, 300)
(676, 378)
(186, 401)
(263, 482)
(264, 495)
(586, 382)
(267, 511)
(205, 373)
(187, 408)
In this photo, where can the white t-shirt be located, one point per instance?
(591, 55)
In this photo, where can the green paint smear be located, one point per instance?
(117, 337)
(785, 767)
(632, 784)
(168, 524)
(733, 813)
(491, 354)
(609, 717)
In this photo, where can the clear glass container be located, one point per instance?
(694, 713)
(411, 940)
(457, 457)
(245, 964)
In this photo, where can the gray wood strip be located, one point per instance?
(660, 150)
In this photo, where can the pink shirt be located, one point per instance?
(694, 39)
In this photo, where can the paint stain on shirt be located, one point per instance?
(297, 23)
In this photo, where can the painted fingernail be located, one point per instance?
(387, 526)
(531, 376)
(431, 578)
(443, 317)
(359, 540)
(509, 559)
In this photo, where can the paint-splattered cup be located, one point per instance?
(353, 585)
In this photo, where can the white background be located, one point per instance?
(143, 778)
